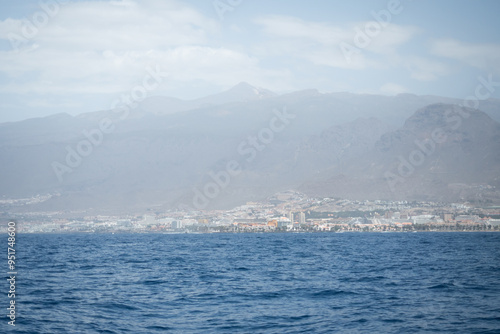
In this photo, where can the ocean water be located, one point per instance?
(257, 283)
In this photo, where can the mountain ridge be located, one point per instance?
(424, 158)
(329, 145)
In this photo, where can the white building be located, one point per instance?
(302, 217)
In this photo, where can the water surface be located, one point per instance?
(258, 283)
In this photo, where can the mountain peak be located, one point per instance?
(446, 115)
(243, 84)
(242, 92)
(246, 91)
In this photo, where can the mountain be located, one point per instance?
(242, 92)
(443, 152)
(247, 144)
(164, 105)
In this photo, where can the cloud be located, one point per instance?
(322, 43)
(116, 25)
(126, 25)
(10, 26)
(291, 27)
(104, 47)
(111, 72)
(485, 57)
(91, 51)
(392, 89)
(390, 38)
(47, 103)
(424, 69)
(316, 42)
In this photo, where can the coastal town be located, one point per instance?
(285, 212)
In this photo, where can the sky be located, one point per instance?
(77, 56)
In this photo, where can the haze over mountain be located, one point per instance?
(248, 143)
(443, 153)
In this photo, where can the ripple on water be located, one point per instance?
(266, 283)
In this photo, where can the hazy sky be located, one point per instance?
(79, 56)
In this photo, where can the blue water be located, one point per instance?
(258, 283)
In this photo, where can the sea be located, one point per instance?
(256, 283)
